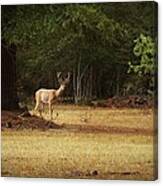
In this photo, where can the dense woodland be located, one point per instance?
(109, 48)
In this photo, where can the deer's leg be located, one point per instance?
(36, 106)
(56, 114)
(41, 110)
(50, 110)
(52, 107)
(37, 102)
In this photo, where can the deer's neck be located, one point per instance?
(60, 90)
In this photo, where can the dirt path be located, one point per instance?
(13, 121)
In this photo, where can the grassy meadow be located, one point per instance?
(92, 143)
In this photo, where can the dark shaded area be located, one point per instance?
(125, 102)
(8, 77)
(18, 121)
(124, 173)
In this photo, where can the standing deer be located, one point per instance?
(49, 96)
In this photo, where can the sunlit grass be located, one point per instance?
(132, 118)
(64, 153)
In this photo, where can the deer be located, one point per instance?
(49, 96)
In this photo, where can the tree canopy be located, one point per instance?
(99, 43)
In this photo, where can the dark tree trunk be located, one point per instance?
(117, 80)
(91, 83)
(9, 98)
(78, 83)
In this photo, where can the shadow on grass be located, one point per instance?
(14, 120)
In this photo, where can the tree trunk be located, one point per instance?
(91, 82)
(117, 81)
(74, 85)
(78, 86)
(8, 77)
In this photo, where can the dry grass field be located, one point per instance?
(91, 143)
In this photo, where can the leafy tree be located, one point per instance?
(145, 63)
(94, 41)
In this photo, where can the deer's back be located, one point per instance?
(46, 95)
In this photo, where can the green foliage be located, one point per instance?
(52, 38)
(145, 64)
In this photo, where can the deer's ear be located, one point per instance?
(68, 77)
(59, 77)
(59, 74)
